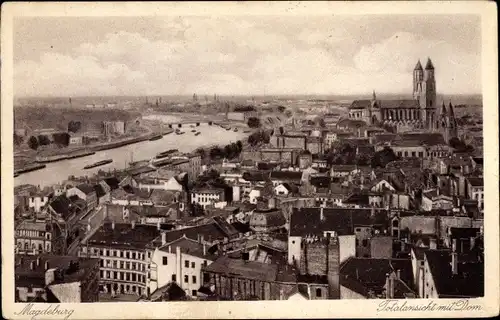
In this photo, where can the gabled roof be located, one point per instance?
(286, 175)
(307, 221)
(367, 274)
(360, 104)
(85, 188)
(188, 246)
(123, 235)
(469, 282)
(247, 269)
(395, 104)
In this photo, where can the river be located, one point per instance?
(56, 172)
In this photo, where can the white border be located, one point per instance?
(258, 309)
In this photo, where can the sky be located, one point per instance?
(243, 55)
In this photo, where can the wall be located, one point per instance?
(347, 244)
(346, 293)
(381, 247)
(294, 250)
(67, 292)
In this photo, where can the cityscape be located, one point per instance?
(146, 170)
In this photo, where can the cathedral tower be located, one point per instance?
(424, 90)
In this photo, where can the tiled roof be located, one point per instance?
(367, 274)
(429, 139)
(124, 236)
(210, 232)
(286, 175)
(62, 205)
(244, 269)
(85, 188)
(255, 176)
(23, 270)
(188, 246)
(469, 282)
(360, 104)
(395, 104)
(307, 221)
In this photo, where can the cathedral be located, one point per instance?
(421, 113)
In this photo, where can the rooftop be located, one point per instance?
(124, 235)
(307, 221)
(188, 246)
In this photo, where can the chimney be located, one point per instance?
(169, 249)
(163, 238)
(47, 265)
(398, 274)
(433, 244)
(321, 214)
(158, 225)
(133, 224)
(391, 287)
(403, 246)
(454, 245)
(202, 240)
(113, 225)
(204, 249)
(32, 265)
(37, 261)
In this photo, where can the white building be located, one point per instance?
(180, 261)
(206, 197)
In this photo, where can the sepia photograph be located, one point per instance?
(198, 156)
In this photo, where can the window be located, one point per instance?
(365, 243)
(318, 292)
(165, 261)
(186, 279)
(174, 277)
(293, 241)
(186, 263)
(127, 255)
(194, 293)
(206, 277)
(194, 279)
(358, 229)
(192, 264)
(133, 255)
(122, 264)
(134, 277)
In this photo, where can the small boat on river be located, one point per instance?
(98, 164)
(197, 133)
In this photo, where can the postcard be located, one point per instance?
(249, 159)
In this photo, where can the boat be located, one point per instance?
(235, 130)
(228, 129)
(29, 168)
(98, 163)
(156, 137)
(179, 133)
(247, 131)
(193, 130)
(16, 175)
(165, 153)
(197, 133)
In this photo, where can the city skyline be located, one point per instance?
(238, 56)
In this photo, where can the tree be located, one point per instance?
(33, 143)
(253, 122)
(282, 130)
(240, 145)
(216, 152)
(258, 137)
(61, 138)
(322, 123)
(74, 126)
(43, 140)
(281, 109)
(197, 210)
(383, 157)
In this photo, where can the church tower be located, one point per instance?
(424, 90)
(447, 123)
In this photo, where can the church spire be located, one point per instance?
(418, 66)
(450, 111)
(374, 96)
(443, 109)
(429, 65)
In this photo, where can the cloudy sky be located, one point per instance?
(243, 55)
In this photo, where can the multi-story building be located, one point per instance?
(49, 278)
(85, 192)
(475, 190)
(179, 261)
(206, 197)
(124, 258)
(39, 236)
